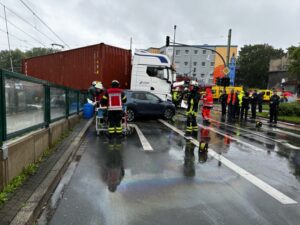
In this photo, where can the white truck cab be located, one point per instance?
(152, 72)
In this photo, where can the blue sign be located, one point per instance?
(232, 66)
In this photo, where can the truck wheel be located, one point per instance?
(130, 115)
(168, 114)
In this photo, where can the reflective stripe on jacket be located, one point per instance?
(229, 98)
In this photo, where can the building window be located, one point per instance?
(203, 63)
(186, 63)
(177, 52)
(212, 63)
(194, 74)
(211, 74)
(202, 75)
(204, 52)
(195, 52)
(187, 51)
(195, 63)
(194, 69)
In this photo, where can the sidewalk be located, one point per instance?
(19, 198)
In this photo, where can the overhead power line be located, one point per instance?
(16, 37)
(23, 31)
(43, 22)
(26, 21)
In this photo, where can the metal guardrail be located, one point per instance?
(27, 104)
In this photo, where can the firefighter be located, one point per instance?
(260, 99)
(207, 105)
(274, 103)
(238, 103)
(231, 98)
(176, 97)
(95, 92)
(113, 98)
(253, 102)
(192, 110)
(222, 100)
(245, 106)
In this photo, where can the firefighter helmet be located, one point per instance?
(115, 84)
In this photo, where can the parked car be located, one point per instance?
(143, 103)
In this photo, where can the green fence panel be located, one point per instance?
(47, 106)
(58, 103)
(67, 103)
(27, 103)
(2, 110)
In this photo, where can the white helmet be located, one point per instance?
(94, 83)
(99, 85)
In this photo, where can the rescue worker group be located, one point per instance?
(234, 104)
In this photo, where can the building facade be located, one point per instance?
(201, 64)
(278, 72)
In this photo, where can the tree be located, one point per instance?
(18, 55)
(39, 51)
(253, 64)
(294, 60)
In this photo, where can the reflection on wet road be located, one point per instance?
(119, 182)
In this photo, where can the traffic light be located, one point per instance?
(226, 81)
(167, 41)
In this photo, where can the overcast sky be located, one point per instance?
(85, 22)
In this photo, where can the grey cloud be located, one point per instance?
(84, 22)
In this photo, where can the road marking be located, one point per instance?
(283, 142)
(146, 145)
(279, 196)
(233, 138)
(282, 123)
(285, 132)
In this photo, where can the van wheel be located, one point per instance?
(130, 115)
(168, 114)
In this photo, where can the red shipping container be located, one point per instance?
(77, 68)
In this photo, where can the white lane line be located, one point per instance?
(282, 123)
(283, 142)
(279, 196)
(146, 145)
(286, 132)
(234, 139)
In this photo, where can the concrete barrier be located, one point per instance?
(29, 148)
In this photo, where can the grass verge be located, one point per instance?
(29, 170)
(290, 119)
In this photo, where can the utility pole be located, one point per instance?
(10, 56)
(174, 45)
(130, 43)
(228, 47)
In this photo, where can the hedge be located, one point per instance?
(289, 109)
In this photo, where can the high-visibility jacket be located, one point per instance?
(193, 101)
(240, 97)
(113, 98)
(231, 98)
(208, 99)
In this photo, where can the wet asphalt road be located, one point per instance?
(117, 182)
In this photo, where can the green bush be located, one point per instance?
(289, 109)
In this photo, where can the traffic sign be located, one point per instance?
(226, 70)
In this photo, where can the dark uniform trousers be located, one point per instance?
(114, 122)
